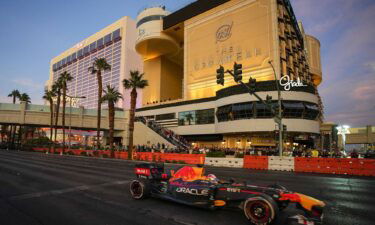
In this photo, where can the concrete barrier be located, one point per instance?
(281, 163)
(224, 162)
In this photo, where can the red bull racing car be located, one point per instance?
(190, 186)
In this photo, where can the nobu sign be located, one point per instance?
(287, 83)
(224, 32)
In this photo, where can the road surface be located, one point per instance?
(50, 189)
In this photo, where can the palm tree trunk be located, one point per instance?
(51, 122)
(57, 114)
(111, 116)
(63, 117)
(133, 99)
(14, 127)
(100, 90)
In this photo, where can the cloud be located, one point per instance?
(26, 82)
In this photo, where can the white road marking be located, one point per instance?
(67, 190)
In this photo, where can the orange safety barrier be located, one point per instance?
(255, 162)
(40, 149)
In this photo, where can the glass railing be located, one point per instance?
(9, 106)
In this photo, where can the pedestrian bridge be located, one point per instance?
(77, 118)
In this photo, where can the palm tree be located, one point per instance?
(48, 96)
(24, 97)
(135, 81)
(14, 94)
(56, 87)
(64, 78)
(112, 96)
(97, 67)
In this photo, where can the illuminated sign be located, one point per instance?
(287, 83)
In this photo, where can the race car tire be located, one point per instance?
(261, 210)
(139, 189)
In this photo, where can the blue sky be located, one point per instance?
(35, 31)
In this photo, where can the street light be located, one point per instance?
(70, 114)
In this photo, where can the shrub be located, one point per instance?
(181, 162)
(105, 156)
(239, 155)
(83, 153)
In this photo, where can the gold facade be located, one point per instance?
(232, 32)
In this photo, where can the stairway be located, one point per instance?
(167, 134)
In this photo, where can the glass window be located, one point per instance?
(206, 116)
(73, 56)
(293, 109)
(224, 113)
(80, 53)
(167, 116)
(63, 62)
(311, 111)
(186, 118)
(242, 111)
(99, 43)
(68, 59)
(262, 111)
(116, 35)
(54, 67)
(92, 46)
(86, 50)
(107, 38)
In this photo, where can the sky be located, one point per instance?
(33, 32)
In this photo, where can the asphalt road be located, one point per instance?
(52, 190)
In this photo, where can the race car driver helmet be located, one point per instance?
(212, 178)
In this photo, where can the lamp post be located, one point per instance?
(70, 114)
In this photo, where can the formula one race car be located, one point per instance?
(190, 186)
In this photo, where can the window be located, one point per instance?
(224, 113)
(54, 67)
(311, 111)
(293, 109)
(68, 59)
(73, 56)
(167, 116)
(86, 50)
(99, 43)
(80, 53)
(242, 111)
(186, 118)
(149, 18)
(63, 62)
(262, 111)
(205, 116)
(93, 47)
(116, 35)
(108, 39)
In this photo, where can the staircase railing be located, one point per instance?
(169, 135)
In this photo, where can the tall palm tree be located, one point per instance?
(24, 97)
(56, 87)
(48, 96)
(14, 94)
(98, 66)
(135, 81)
(112, 96)
(64, 78)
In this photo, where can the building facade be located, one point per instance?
(115, 43)
(182, 50)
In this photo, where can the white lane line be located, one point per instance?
(67, 190)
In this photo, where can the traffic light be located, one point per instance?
(252, 84)
(220, 75)
(237, 72)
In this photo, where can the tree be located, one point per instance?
(112, 96)
(64, 78)
(97, 67)
(23, 98)
(56, 87)
(14, 94)
(48, 96)
(135, 81)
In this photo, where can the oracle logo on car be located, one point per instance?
(192, 191)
